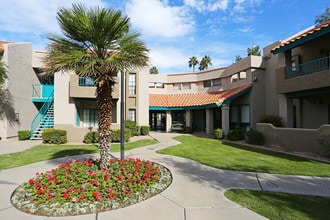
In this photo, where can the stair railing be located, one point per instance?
(41, 114)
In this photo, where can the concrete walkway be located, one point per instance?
(196, 193)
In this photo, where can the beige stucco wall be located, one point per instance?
(18, 59)
(302, 140)
(142, 102)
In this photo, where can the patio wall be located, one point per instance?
(293, 139)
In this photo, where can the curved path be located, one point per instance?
(196, 193)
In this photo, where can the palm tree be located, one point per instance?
(153, 70)
(97, 43)
(3, 72)
(319, 19)
(193, 62)
(254, 50)
(205, 62)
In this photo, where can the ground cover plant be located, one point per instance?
(48, 152)
(282, 206)
(214, 153)
(83, 187)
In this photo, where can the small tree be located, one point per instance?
(321, 18)
(193, 62)
(153, 70)
(3, 72)
(238, 58)
(254, 51)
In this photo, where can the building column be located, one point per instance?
(225, 119)
(209, 121)
(168, 121)
(286, 110)
(188, 118)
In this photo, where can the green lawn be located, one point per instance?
(282, 206)
(213, 153)
(48, 152)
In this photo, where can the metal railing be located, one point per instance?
(86, 81)
(307, 68)
(41, 114)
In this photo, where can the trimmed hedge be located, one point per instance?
(23, 135)
(217, 133)
(235, 135)
(54, 136)
(131, 125)
(145, 130)
(115, 135)
(254, 137)
(91, 137)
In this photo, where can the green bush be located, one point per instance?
(235, 135)
(324, 140)
(54, 136)
(217, 133)
(188, 129)
(131, 125)
(254, 137)
(272, 119)
(115, 135)
(145, 130)
(23, 135)
(91, 137)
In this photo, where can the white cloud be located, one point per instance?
(210, 5)
(156, 18)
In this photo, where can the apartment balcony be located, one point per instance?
(84, 87)
(310, 75)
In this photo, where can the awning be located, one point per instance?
(195, 100)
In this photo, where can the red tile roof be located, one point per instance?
(302, 35)
(2, 43)
(194, 99)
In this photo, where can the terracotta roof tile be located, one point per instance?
(3, 43)
(194, 99)
(302, 35)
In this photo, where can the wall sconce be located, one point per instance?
(255, 79)
(16, 116)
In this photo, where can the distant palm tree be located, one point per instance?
(3, 73)
(320, 19)
(153, 70)
(205, 62)
(96, 43)
(254, 50)
(193, 62)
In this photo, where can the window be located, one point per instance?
(216, 82)
(132, 114)
(207, 83)
(86, 81)
(242, 75)
(160, 85)
(234, 78)
(245, 114)
(176, 86)
(90, 118)
(186, 86)
(151, 85)
(132, 84)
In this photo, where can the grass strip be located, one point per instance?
(214, 153)
(47, 152)
(281, 205)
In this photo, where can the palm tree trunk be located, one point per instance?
(104, 105)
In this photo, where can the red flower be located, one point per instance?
(40, 192)
(120, 178)
(96, 195)
(31, 181)
(70, 189)
(48, 197)
(82, 196)
(66, 195)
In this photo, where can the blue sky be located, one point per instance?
(175, 30)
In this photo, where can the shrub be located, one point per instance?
(217, 133)
(54, 136)
(23, 135)
(324, 140)
(115, 135)
(145, 130)
(254, 137)
(235, 135)
(272, 119)
(188, 129)
(91, 137)
(131, 125)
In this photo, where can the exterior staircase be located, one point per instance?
(47, 121)
(44, 119)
